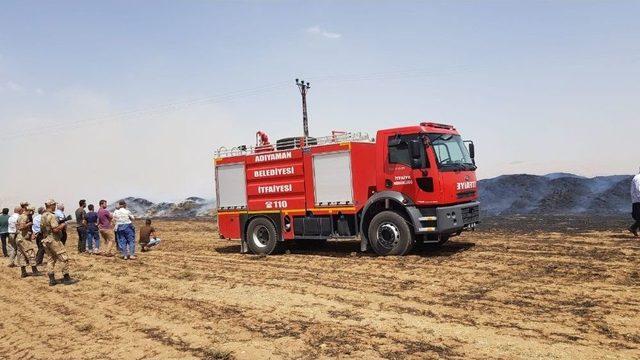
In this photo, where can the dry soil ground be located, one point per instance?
(502, 292)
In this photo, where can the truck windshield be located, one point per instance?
(451, 152)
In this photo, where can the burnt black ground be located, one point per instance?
(573, 224)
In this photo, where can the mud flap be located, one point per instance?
(364, 243)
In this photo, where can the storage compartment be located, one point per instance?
(231, 186)
(332, 179)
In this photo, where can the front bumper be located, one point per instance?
(446, 219)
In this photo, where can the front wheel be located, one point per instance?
(389, 234)
(261, 236)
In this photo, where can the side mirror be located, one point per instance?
(416, 152)
(415, 148)
(472, 148)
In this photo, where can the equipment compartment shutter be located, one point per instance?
(332, 178)
(231, 186)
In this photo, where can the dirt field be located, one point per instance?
(510, 292)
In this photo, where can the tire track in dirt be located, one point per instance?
(295, 269)
(567, 336)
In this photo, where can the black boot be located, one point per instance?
(52, 279)
(67, 280)
(35, 272)
(23, 272)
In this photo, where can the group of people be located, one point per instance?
(30, 238)
(115, 229)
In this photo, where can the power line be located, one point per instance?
(150, 111)
(162, 108)
(219, 98)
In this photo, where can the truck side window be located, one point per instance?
(399, 154)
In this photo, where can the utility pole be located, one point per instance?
(303, 91)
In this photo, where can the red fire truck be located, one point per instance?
(411, 184)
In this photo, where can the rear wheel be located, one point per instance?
(389, 234)
(261, 236)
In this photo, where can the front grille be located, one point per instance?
(470, 214)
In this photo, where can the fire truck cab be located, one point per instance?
(411, 184)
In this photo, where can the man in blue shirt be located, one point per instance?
(4, 230)
(93, 236)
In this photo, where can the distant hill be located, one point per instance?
(551, 194)
(188, 208)
(557, 193)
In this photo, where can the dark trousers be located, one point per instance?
(115, 234)
(4, 238)
(40, 253)
(636, 216)
(82, 239)
(63, 238)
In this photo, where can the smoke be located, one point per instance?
(82, 148)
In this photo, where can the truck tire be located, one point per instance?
(261, 236)
(389, 234)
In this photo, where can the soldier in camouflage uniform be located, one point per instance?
(25, 248)
(53, 247)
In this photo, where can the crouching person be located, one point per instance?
(54, 249)
(148, 236)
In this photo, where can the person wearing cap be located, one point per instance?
(126, 231)
(13, 231)
(635, 200)
(54, 248)
(26, 249)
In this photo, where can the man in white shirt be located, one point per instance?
(635, 199)
(59, 213)
(125, 230)
(13, 232)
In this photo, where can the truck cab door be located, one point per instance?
(405, 162)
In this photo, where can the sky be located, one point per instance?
(119, 98)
